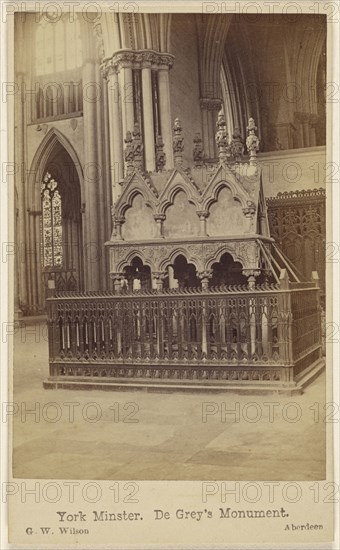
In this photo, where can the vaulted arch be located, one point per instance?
(53, 143)
(55, 216)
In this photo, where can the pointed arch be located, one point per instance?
(134, 253)
(53, 141)
(213, 197)
(227, 249)
(224, 178)
(136, 186)
(177, 182)
(181, 251)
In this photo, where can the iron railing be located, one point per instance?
(266, 333)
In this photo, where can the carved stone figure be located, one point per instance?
(177, 142)
(160, 155)
(138, 147)
(221, 137)
(198, 150)
(236, 145)
(253, 142)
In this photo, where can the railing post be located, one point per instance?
(264, 326)
(252, 324)
(316, 281)
(52, 328)
(204, 330)
(204, 277)
(285, 332)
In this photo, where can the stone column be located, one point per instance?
(40, 289)
(305, 129)
(149, 137)
(32, 260)
(209, 109)
(158, 277)
(17, 310)
(251, 275)
(173, 283)
(165, 114)
(92, 273)
(118, 225)
(159, 218)
(117, 281)
(204, 277)
(313, 120)
(116, 137)
(263, 224)
(126, 96)
(303, 119)
(205, 131)
(203, 222)
(21, 236)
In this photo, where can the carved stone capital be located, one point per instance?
(108, 68)
(119, 220)
(159, 217)
(117, 277)
(251, 272)
(208, 104)
(205, 274)
(202, 214)
(251, 275)
(249, 210)
(204, 277)
(137, 59)
(159, 275)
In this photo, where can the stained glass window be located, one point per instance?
(51, 223)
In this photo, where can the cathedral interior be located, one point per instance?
(170, 201)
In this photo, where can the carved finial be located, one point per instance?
(221, 137)
(236, 145)
(253, 141)
(198, 150)
(137, 147)
(160, 155)
(128, 153)
(177, 142)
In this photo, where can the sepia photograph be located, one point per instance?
(169, 214)
(169, 274)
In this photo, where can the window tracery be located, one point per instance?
(51, 223)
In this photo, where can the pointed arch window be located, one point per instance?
(51, 223)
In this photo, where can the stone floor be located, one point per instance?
(139, 435)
